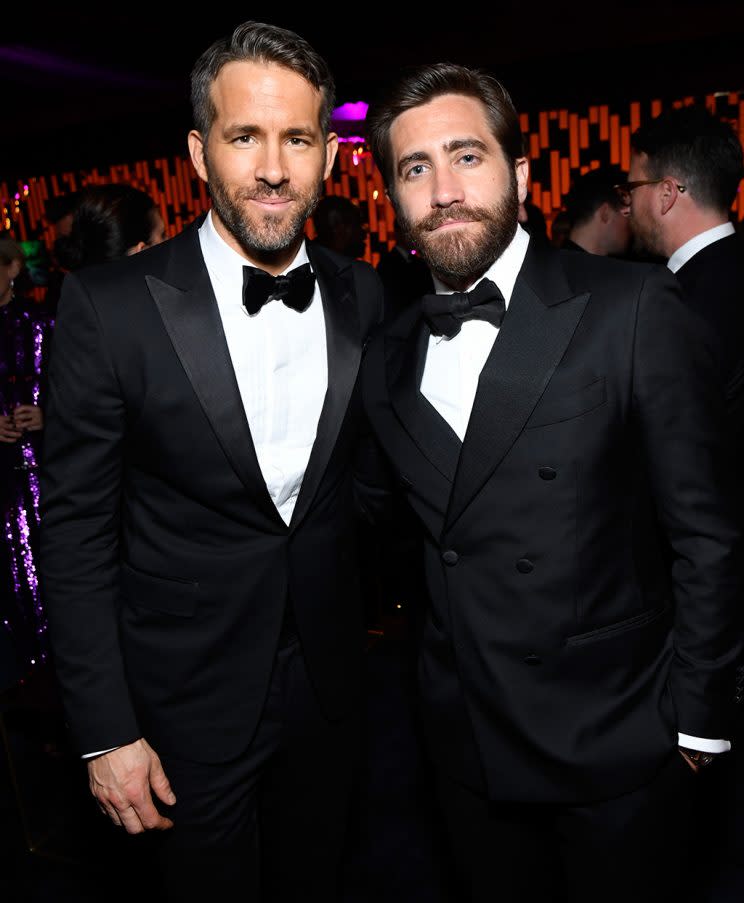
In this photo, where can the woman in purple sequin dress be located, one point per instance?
(25, 332)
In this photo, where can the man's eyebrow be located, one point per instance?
(415, 157)
(237, 129)
(449, 146)
(232, 131)
(460, 143)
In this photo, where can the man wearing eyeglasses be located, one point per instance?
(684, 174)
(685, 171)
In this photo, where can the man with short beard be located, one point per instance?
(540, 410)
(199, 501)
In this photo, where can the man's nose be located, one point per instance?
(447, 188)
(271, 165)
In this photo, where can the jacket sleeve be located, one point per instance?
(679, 408)
(373, 479)
(80, 511)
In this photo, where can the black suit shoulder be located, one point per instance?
(587, 271)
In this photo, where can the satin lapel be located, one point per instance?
(344, 350)
(405, 353)
(193, 322)
(531, 342)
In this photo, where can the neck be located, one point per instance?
(457, 283)
(689, 227)
(273, 262)
(585, 238)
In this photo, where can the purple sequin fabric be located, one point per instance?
(25, 332)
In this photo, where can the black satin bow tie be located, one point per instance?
(295, 288)
(445, 314)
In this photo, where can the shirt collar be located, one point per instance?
(503, 271)
(225, 264)
(697, 243)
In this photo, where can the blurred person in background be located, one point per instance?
(25, 332)
(339, 226)
(108, 222)
(598, 214)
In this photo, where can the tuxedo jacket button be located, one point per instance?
(450, 557)
(547, 473)
(524, 566)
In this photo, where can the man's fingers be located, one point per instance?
(149, 817)
(131, 821)
(160, 783)
(109, 810)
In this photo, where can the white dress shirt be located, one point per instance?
(453, 367)
(280, 362)
(697, 243)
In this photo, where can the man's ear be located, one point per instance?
(331, 151)
(522, 172)
(668, 195)
(605, 212)
(196, 150)
(14, 270)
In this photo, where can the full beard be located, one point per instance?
(265, 234)
(454, 256)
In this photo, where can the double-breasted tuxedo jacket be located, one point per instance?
(560, 657)
(166, 565)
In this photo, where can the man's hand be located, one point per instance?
(28, 417)
(9, 432)
(121, 780)
(695, 758)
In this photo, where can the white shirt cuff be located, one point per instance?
(704, 745)
(99, 753)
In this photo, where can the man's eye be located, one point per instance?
(244, 139)
(469, 159)
(416, 171)
(298, 142)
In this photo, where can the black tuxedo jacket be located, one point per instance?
(166, 565)
(559, 657)
(713, 287)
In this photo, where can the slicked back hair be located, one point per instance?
(428, 82)
(698, 149)
(256, 42)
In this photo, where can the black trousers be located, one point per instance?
(270, 825)
(632, 848)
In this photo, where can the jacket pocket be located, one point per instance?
(555, 408)
(611, 630)
(166, 595)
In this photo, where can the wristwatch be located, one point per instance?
(698, 757)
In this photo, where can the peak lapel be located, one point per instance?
(405, 357)
(193, 322)
(541, 319)
(344, 350)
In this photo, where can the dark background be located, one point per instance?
(102, 86)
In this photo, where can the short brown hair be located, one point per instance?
(259, 43)
(427, 82)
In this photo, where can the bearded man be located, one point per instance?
(541, 410)
(199, 501)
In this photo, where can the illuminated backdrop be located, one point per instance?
(560, 144)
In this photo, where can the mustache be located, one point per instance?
(443, 214)
(263, 192)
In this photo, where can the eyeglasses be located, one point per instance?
(624, 188)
